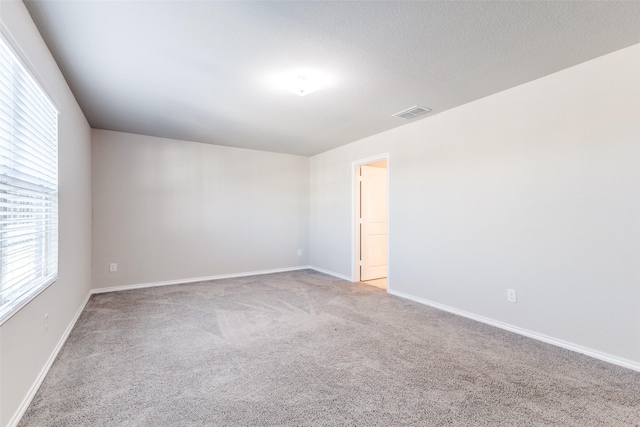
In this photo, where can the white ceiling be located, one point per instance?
(201, 70)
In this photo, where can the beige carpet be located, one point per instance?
(304, 349)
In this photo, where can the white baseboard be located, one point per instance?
(45, 369)
(195, 279)
(540, 337)
(330, 273)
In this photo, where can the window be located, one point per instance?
(28, 186)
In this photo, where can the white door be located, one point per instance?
(373, 229)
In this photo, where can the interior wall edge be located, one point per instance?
(196, 279)
(331, 273)
(605, 357)
(17, 416)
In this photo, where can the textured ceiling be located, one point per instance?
(202, 71)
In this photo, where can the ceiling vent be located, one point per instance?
(412, 112)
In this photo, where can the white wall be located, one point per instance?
(536, 188)
(24, 348)
(171, 210)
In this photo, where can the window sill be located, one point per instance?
(15, 306)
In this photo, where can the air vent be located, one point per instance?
(410, 113)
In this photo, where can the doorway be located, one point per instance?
(371, 221)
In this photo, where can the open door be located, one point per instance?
(373, 221)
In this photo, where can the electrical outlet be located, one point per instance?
(511, 295)
(113, 267)
(299, 252)
(46, 323)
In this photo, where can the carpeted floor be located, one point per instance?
(304, 349)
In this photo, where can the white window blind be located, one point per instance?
(28, 185)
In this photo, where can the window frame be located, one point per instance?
(9, 309)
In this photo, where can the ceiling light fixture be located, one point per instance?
(302, 82)
(302, 86)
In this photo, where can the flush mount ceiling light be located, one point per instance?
(302, 82)
(302, 86)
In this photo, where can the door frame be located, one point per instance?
(355, 211)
